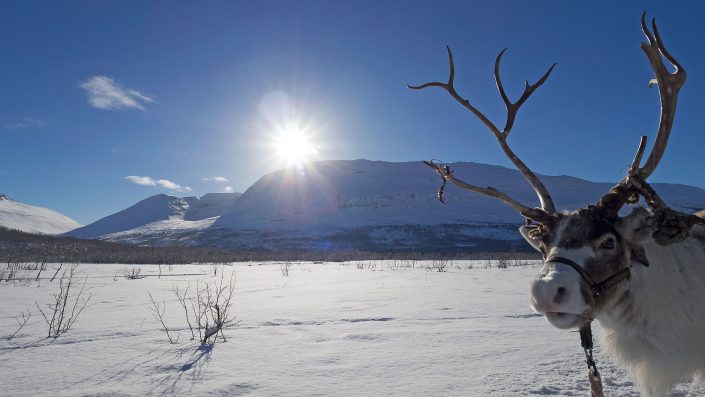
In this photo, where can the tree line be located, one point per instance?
(21, 247)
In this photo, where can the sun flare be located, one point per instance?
(294, 146)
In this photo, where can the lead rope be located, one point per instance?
(593, 374)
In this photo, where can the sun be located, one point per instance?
(293, 145)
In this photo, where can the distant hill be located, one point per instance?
(27, 218)
(160, 212)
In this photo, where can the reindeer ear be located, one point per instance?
(635, 227)
(533, 241)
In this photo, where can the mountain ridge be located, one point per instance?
(377, 205)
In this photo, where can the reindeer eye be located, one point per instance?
(608, 244)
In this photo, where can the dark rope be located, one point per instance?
(593, 374)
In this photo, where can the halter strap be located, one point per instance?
(596, 288)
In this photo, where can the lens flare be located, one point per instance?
(294, 146)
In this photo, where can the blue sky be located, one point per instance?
(186, 91)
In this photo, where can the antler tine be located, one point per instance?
(645, 29)
(535, 214)
(547, 206)
(634, 168)
(451, 90)
(669, 85)
(513, 108)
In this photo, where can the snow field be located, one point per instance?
(351, 329)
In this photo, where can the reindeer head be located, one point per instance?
(587, 259)
(588, 252)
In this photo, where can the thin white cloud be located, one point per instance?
(168, 184)
(228, 189)
(141, 180)
(104, 93)
(165, 183)
(26, 122)
(220, 179)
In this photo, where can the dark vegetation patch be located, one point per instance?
(418, 242)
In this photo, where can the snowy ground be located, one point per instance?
(371, 329)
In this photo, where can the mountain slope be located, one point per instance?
(374, 205)
(27, 218)
(368, 193)
(159, 212)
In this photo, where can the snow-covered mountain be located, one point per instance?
(370, 205)
(380, 205)
(160, 213)
(27, 218)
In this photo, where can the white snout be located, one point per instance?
(556, 294)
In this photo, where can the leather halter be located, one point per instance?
(596, 288)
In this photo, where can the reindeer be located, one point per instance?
(642, 275)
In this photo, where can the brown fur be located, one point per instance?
(700, 214)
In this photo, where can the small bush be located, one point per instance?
(65, 308)
(132, 274)
(439, 265)
(284, 267)
(207, 310)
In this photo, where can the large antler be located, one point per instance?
(547, 209)
(669, 85)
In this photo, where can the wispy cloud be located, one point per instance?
(26, 122)
(165, 183)
(142, 180)
(104, 93)
(220, 179)
(228, 189)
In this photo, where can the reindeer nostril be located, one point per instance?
(560, 295)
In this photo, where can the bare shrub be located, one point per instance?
(207, 309)
(502, 263)
(439, 265)
(132, 274)
(62, 313)
(499, 261)
(22, 320)
(31, 266)
(20, 271)
(284, 267)
(359, 265)
(216, 301)
(158, 313)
